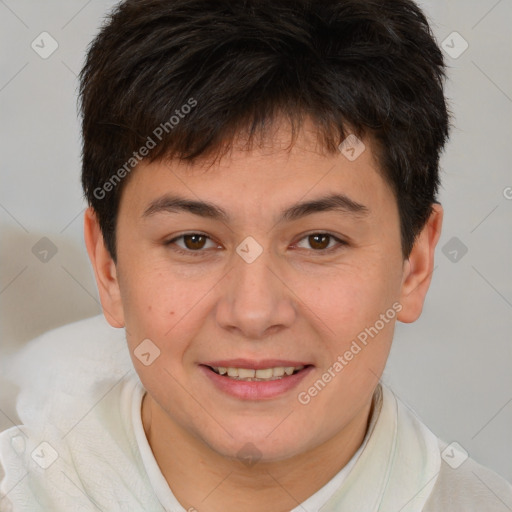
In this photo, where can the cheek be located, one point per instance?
(349, 298)
(164, 307)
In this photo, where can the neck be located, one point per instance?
(202, 479)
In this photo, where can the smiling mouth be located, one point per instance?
(260, 375)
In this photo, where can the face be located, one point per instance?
(269, 260)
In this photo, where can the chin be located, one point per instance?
(249, 447)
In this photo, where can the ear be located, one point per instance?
(104, 270)
(419, 266)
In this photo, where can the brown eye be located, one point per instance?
(319, 241)
(194, 242)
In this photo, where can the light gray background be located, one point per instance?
(453, 366)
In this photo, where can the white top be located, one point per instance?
(82, 448)
(167, 498)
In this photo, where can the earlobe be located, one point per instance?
(418, 268)
(105, 270)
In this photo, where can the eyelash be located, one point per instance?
(199, 252)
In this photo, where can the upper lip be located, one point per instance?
(254, 365)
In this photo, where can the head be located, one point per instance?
(227, 224)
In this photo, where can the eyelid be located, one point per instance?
(181, 250)
(340, 242)
(177, 248)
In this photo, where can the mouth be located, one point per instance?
(257, 375)
(248, 380)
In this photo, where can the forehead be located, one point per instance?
(263, 178)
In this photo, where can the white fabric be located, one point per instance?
(80, 397)
(167, 498)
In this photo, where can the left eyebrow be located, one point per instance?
(333, 202)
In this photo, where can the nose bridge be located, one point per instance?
(255, 300)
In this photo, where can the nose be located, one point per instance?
(255, 300)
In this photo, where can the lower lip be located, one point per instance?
(255, 390)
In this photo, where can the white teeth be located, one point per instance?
(279, 371)
(245, 373)
(233, 372)
(254, 375)
(264, 374)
